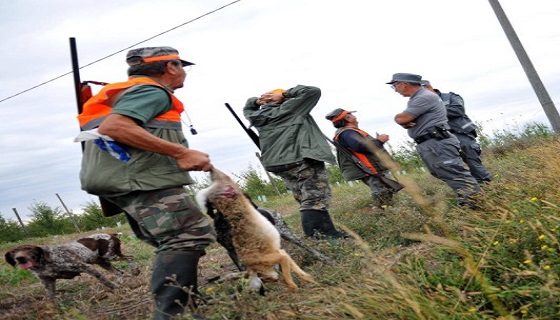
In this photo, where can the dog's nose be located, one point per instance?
(21, 260)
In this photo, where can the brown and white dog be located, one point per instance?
(66, 261)
(256, 240)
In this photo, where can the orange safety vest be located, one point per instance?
(98, 107)
(362, 157)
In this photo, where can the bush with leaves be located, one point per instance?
(46, 220)
(519, 138)
(10, 231)
(335, 175)
(253, 184)
(408, 158)
(92, 218)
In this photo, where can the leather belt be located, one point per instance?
(422, 138)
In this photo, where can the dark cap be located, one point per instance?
(406, 77)
(425, 83)
(151, 54)
(337, 114)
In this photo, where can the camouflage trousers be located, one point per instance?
(309, 184)
(167, 219)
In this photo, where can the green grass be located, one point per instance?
(421, 259)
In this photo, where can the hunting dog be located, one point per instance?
(66, 261)
(254, 239)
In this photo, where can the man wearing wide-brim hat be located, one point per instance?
(425, 118)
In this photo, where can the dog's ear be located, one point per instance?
(9, 257)
(102, 247)
(42, 254)
(91, 244)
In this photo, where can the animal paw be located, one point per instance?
(255, 283)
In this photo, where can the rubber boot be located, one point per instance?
(383, 200)
(174, 282)
(309, 222)
(317, 223)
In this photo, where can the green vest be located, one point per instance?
(350, 171)
(101, 174)
(104, 175)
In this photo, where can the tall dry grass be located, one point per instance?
(421, 259)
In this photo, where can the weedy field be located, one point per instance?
(424, 258)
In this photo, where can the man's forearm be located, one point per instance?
(126, 131)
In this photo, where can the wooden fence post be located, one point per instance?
(70, 214)
(21, 222)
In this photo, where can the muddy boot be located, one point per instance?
(317, 223)
(377, 203)
(174, 283)
(386, 199)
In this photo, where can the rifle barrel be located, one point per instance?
(76, 72)
(249, 131)
(236, 116)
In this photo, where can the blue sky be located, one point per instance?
(347, 48)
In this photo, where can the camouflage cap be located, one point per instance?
(151, 54)
(337, 114)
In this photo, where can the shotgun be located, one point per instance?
(252, 134)
(83, 92)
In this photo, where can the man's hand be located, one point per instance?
(408, 125)
(405, 120)
(383, 137)
(124, 129)
(270, 97)
(193, 160)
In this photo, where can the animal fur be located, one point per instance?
(66, 261)
(223, 230)
(255, 239)
(276, 218)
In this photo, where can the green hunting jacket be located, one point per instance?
(287, 132)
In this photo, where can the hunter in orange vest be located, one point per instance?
(99, 106)
(143, 117)
(365, 148)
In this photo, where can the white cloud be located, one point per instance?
(347, 48)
